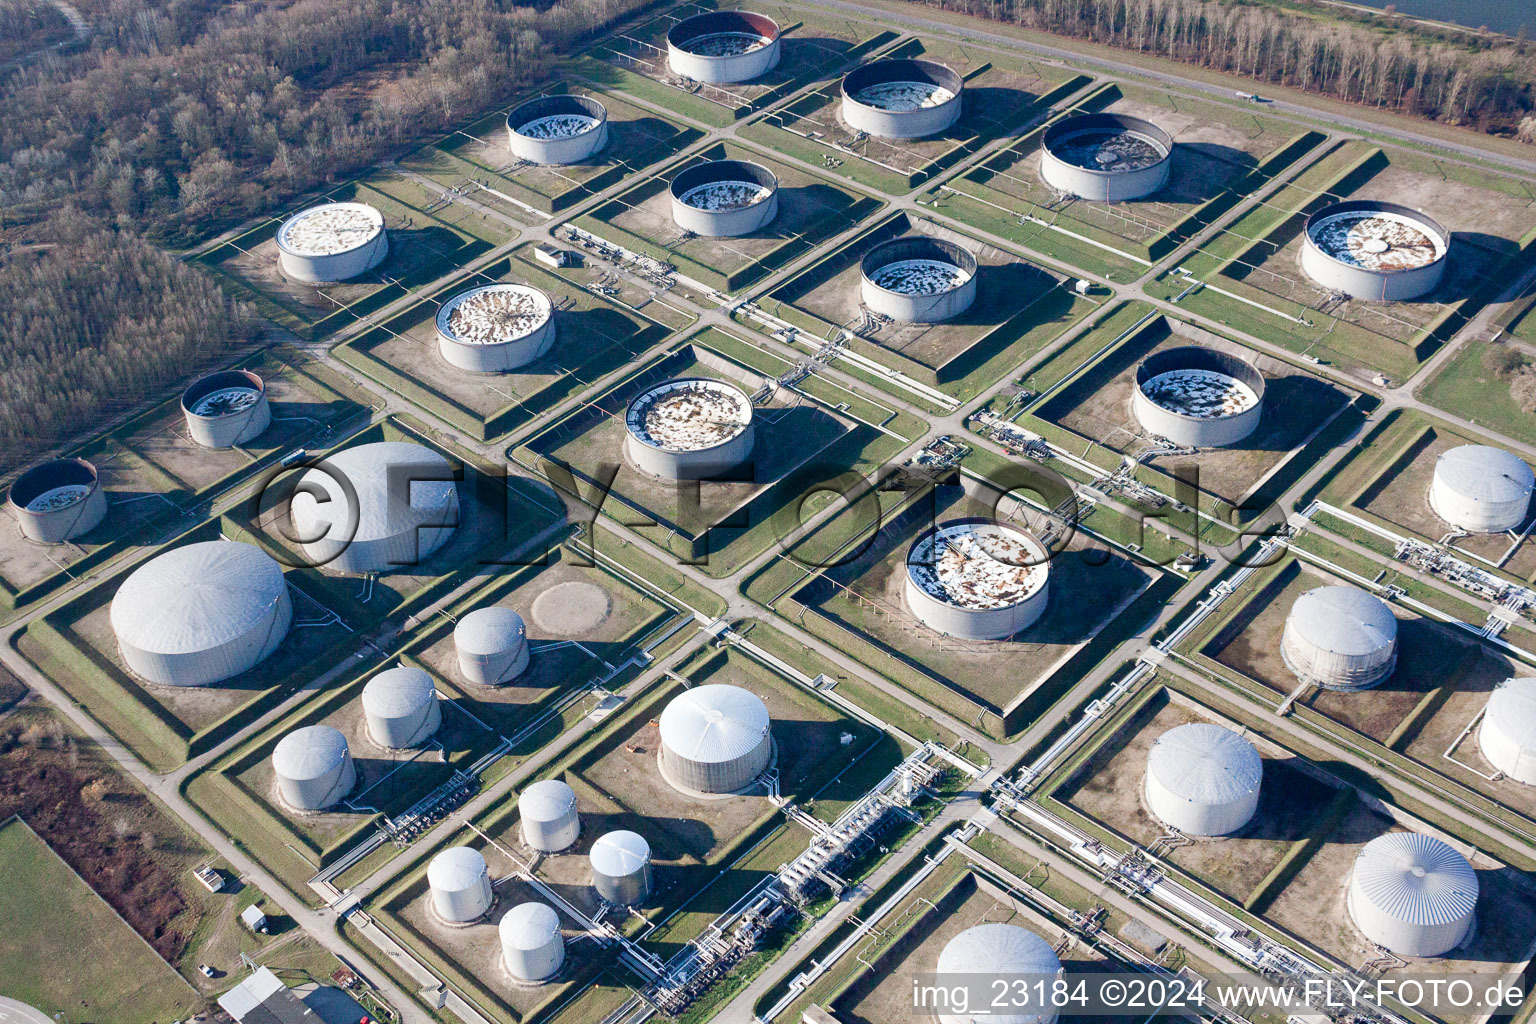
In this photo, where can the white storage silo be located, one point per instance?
(401, 707)
(723, 47)
(689, 428)
(1412, 894)
(1373, 250)
(226, 408)
(1481, 489)
(495, 328)
(460, 884)
(332, 242)
(1340, 638)
(201, 613)
(621, 867)
(977, 579)
(900, 98)
(1507, 735)
(1203, 779)
(492, 646)
(314, 768)
(916, 279)
(1002, 950)
(1106, 158)
(388, 505)
(532, 948)
(57, 501)
(715, 739)
(547, 811)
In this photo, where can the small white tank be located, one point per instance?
(1507, 735)
(547, 810)
(460, 884)
(313, 767)
(1412, 894)
(1203, 779)
(621, 867)
(1001, 949)
(492, 645)
(532, 948)
(401, 707)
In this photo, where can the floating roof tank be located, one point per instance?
(918, 279)
(1374, 250)
(557, 130)
(201, 613)
(58, 501)
(460, 884)
(724, 198)
(332, 242)
(977, 579)
(1000, 949)
(495, 328)
(714, 739)
(1481, 489)
(1340, 638)
(1198, 397)
(492, 645)
(1106, 158)
(1203, 779)
(1412, 894)
(723, 47)
(314, 768)
(621, 868)
(547, 810)
(401, 707)
(226, 408)
(689, 428)
(901, 99)
(1507, 735)
(532, 948)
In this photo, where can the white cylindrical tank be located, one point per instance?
(1412, 894)
(689, 428)
(201, 613)
(714, 739)
(723, 47)
(557, 130)
(977, 579)
(460, 884)
(1481, 489)
(547, 810)
(1002, 950)
(332, 242)
(495, 328)
(901, 99)
(1106, 158)
(917, 279)
(1203, 779)
(621, 868)
(724, 198)
(1198, 397)
(1507, 735)
(388, 506)
(492, 645)
(1340, 638)
(400, 705)
(1373, 250)
(313, 767)
(532, 948)
(226, 408)
(58, 501)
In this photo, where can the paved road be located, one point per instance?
(14, 1012)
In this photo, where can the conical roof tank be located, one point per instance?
(547, 810)
(714, 739)
(621, 867)
(532, 948)
(1000, 949)
(1412, 894)
(492, 646)
(461, 885)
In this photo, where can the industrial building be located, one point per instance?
(1507, 735)
(495, 328)
(57, 501)
(901, 99)
(1412, 894)
(621, 868)
(917, 279)
(314, 768)
(401, 708)
(1203, 780)
(1000, 950)
(548, 818)
(264, 999)
(532, 948)
(332, 242)
(226, 408)
(1340, 638)
(1374, 250)
(201, 613)
(389, 505)
(1481, 489)
(459, 883)
(715, 739)
(977, 579)
(724, 198)
(1106, 158)
(689, 428)
(723, 47)
(492, 646)
(1198, 397)
(557, 130)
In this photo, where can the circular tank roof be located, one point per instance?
(1205, 763)
(918, 265)
(722, 185)
(55, 485)
(547, 800)
(309, 753)
(368, 468)
(1485, 473)
(456, 869)
(1343, 620)
(723, 33)
(901, 85)
(398, 692)
(329, 229)
(1108, 143)
(714, 723)
(222, 394)
(1511, 711)
(978, 563)
(1416, 879)
(689, 414)
(494, 314)
(557, 117)
(490, 630)
(1200, 383)
(196, 597)
(620, 853)
(1001, 949)
(529, 926)
(1378, 236)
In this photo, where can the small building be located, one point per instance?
(254, 919)
(550, 256)
(264, 999)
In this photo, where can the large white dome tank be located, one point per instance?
(401, 707)
(1340, 638)
(492, 646)
(548, 814)
(999, 949)
(532, 947)
(1203, 779)
(1507, 735)
(1481, 489)
(1412, 894)
(460, 884)
(715, 739)
(314, 768)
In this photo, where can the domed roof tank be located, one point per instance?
(401, 708)
(1481, 489)
(547, 810)
(492, 646)
(1412, 894)
(313, 767)
(621, 867)
(532, 947)
(1000, 949)
(1507, 735)
(1340, 638)
(460, 884)
(1203, 779)
(714, 739)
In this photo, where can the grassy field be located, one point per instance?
(1465, 386)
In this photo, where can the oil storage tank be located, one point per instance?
(1481, 489)
(689, 428)
(901, 98)
(388, 505)
(977, 579)
(724, 198)
(332, 242)
(547, 812)
(460, 883)
(1507, 734)
(557, 130)
(723, 47)
(314, 768)
(226, 408)
(492, 646)
(1203, 779)
(917, 279)
(715, 739)
(532, 948)
(1412, 894)
(1340, 638)
(1106, 158)
(401, 708)
(1375, 250)
(495, 328)
(1002, 950)
(201, 613)
(1198, 397)
(57, 501)
(621, 867)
